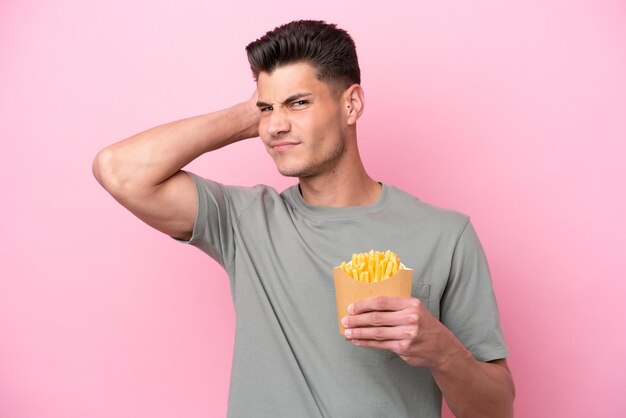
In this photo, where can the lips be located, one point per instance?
(283, 145)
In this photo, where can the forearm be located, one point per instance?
(475, 389)
(147, 159)
(405, 326)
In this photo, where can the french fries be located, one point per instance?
(373, 266)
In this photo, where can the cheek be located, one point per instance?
(263, 132)
(326, 133)
(314, 130)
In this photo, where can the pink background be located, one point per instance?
(513, 113)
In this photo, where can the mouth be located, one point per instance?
(282, 145)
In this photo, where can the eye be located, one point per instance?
(300, 103)
(265, 108)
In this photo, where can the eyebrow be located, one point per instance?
(289, 99)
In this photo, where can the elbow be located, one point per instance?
(106, 170)
(97, 165)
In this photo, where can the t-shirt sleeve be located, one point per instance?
(218, 209)
(468, 305)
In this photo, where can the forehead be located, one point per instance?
(290, 79)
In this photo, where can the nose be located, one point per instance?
(278, 122)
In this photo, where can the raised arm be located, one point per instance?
(143, 172)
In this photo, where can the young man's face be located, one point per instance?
(302, 125)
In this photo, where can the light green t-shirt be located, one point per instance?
(289, 359)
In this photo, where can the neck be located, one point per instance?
(347, 184)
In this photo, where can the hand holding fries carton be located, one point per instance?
(367, 275)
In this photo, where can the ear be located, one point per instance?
(353, 100)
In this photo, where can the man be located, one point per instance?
(400, 353)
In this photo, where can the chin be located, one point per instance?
(288, 167)
(288, 171)
(291, 172)
(292, 167)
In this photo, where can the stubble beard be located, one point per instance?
(315, 168)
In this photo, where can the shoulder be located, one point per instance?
(423, 213)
